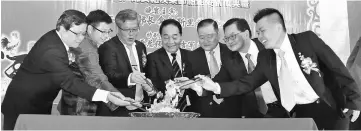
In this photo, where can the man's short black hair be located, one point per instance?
(70, 17)
(170, 22)
(242, 25)
(97, 16)
(205, 22)
(269, 11)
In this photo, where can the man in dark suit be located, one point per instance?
(87, 61)
(170, 61)
(354, 66)
(305, 74)
(45, 71)
(262, 102)
(207, 60)
(122, 59)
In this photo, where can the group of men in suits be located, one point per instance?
(307, 77)
(276, 75)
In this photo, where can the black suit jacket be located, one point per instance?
(335, 86)
(235, 68)
(115, 63)
(159, 69)
(205, 104)
(44, 71)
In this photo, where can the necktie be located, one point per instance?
(176, 70)
(286, 83)
(262, 107)
(138, 87)
(213, 66)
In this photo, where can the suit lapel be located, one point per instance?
(312, 78)
(203, 61)
(140, 55)
(124, 52)
(165, 61)
(273, 73)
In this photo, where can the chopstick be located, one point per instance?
(132, 103)
(191, 83)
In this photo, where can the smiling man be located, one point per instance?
(45, 71)
(98, 30)
(170, 61)
(324, 91)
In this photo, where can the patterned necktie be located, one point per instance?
(262, 106)
(138, 87)
(213, 66)
(176, 70)
(286, 84)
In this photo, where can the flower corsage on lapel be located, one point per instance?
(308, 65)
(144, 59)
(71, 57)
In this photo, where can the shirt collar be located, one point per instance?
(285, 46)
(170, 54)
(125, 45)
(253, 50)
(66, 46)
(216, 49)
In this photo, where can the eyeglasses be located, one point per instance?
(129, 30)
(103, 32)
(78, 34)
(208, 36)
(231, 37)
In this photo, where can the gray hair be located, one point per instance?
(127, 14)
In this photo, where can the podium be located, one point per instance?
(57, 122)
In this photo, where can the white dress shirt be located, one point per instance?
(135, 54)
(217, 55)
(266, 88)
(304, 93)
(178, 59)
(99, 95)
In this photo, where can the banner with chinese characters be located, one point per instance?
(24, 22)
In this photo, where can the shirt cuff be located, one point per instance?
(101, 95)
(130, 83)
(218, 89)
(198, 89)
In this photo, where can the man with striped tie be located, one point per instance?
(170, 61)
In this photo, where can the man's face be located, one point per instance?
(208, 37)
(171, 38)
(74, 35)
(234, 38)
(268, 33)
(99, 33)
(128, 31)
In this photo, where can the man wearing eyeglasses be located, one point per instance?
(122, 59)
(207, 60)
(45, 71)
(262, 102)
(87, 61)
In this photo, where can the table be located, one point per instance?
(57, 122)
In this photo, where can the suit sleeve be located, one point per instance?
(55, 63)
(246, 83)
(152, 73)
(88, 61)
(335, 65)
(108, 62)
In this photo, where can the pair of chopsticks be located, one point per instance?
(133, 104)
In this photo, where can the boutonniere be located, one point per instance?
(144, 59)
(308, 65)
(183, 66)
(71, 57)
